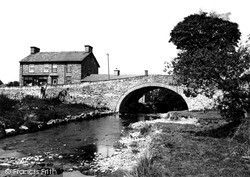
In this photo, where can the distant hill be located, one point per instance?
(1, 83)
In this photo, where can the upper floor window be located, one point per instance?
(46, 68)
(54, 68)
(31, 68)
(69, 68)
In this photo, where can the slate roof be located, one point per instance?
(56, 57)
(104, 77)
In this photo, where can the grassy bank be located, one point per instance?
(207, 148)
(32, 113)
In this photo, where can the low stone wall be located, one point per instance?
(108, 93)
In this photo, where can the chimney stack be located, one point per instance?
(146, 72)
(117, 72)
(88, 48)
(34, 50)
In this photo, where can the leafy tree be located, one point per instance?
(200, 31)
(12, 84)
(210, 59)
(163, 100)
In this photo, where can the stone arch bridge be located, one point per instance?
(115, 94)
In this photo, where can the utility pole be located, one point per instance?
(108, 67)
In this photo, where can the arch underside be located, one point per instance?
(127, 102)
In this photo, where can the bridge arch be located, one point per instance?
(138, 91)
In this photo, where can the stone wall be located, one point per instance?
(109, 93)
(61, 73)
(89, 66)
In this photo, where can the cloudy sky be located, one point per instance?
(135, 33)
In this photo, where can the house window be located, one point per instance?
(46, 68)
(28, 81)
(54, 68)
(68, 79)
(69, 68)
(31, 68)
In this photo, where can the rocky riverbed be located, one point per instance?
(135, 143)
(128, 150)
(58, 163)
(171, 145)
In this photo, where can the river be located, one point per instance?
(74, 142)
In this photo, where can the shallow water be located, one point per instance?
(75, 141)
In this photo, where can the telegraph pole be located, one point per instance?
(108, 67)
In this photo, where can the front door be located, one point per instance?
(54, 80)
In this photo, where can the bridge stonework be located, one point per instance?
(111, 93)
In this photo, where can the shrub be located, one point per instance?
(45, 114)
(146, 129)
(53, 100)
(146, 168)
(6, 104)
(119, 145)
(135, 151)
(134, 144)
(13, 84)
(29, 99)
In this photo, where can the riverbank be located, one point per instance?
(174, 144)
(31, 114)
(184, 146)
(70, 147)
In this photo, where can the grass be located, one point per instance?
(146, 168)
(211, 149)
(224, 131)
(9, 116)
(183, 154)
(214, 152)
(15, 113)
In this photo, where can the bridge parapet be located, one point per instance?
(109, 93)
